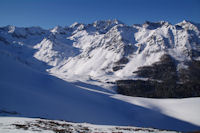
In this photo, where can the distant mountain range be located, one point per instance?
(109, 51)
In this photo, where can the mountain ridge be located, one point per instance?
(106, 50)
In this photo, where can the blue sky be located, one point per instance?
(49, 13)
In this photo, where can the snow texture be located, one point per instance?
(24, 125)
(37, 67)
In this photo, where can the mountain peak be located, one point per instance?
(154, 25)
(75, 24)
(109, 39)
(11, 28)
(107, 22)
(187, 22)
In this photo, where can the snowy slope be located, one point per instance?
(184, 109)
(140, 45)
(34, 94)
(23, 125)
(35, 65)
(105, 50)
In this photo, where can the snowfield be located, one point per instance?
(184, 109)
(24, 125)
(28, 96)
(63, 74)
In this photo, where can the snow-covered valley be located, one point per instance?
(68, 73)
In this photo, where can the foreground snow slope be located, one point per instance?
(35, 94)
(23, 125)
(184, 109)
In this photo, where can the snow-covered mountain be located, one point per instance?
(119, 50)
(26, 92)
(36, 66)
(105, 50)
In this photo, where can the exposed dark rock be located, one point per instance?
(116, 68)
(154, 25)
(135, 88)
(123, 60)
(119, 64)
(165, 70)
(64, 127)
(156, 89)
(172, 83)
(192, 74)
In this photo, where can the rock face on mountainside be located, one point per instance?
(164, 81)
(152, 59)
